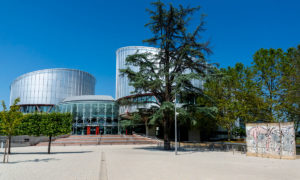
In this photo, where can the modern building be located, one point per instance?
(40, 91)
(130, 102)
(73, 91)
(92, 114)
(67, 90)
(123, 90)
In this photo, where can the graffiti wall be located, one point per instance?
(274, 140)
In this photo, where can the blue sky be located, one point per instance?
(85, 34)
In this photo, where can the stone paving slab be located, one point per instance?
(140, 162)
(146, 163)
(66, 163)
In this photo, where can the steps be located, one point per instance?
(80, 140)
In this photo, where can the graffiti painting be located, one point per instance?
(276, 140)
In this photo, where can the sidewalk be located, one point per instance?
(140, 162)
(70, 162)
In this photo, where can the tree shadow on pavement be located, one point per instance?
(152, 148)
(34, 160)
(157, 148)
(186, 150)
(45, 153)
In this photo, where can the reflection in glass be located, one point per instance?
(103, 114)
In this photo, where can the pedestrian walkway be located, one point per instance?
(140, 162)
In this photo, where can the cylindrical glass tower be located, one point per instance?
(39, 89)
(123, 88)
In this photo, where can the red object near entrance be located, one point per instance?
(88, 130)
(126, 131)
(97, 130)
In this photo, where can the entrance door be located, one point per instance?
(97, 130)
(88, 130)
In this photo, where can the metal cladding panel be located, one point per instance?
(51, 86)
(122, 82)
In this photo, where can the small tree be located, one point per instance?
(143, 115)
(54, 124)
(220, 89)
(10, 120)
(290, 86)
(202, 116)
(235, 94)
(267, 65)
(125, 124)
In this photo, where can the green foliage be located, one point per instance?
(137, 117)
(277, 73)
(126, 124)
(290, 86)
(234, 92)
(238, 131)
(202, 116)
(47, 124)
(219, 88)
(267, 66)
(9, 123)
(31, 124)
(181, 59)
(54, 124)
(267, 91)
(10, 119)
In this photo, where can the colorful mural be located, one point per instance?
(274, 140)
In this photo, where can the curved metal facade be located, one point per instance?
(51, 86)
(123, 88)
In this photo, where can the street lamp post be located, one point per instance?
(175, 127)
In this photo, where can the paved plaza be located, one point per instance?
(139, 162)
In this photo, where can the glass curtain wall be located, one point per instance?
(92, 117)
(36, 108)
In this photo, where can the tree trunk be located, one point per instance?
(147, 128)
(166, 134)
(228, 135)
(49, 144)
(9, 144)
(295, 128)
(200, 138)
(5, 151)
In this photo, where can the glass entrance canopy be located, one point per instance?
(92, 114)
